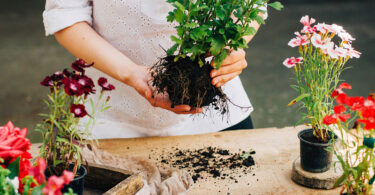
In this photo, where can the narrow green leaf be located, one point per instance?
(276, 5)
(173, 49)
(175, 39)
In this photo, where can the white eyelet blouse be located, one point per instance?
(138, 28)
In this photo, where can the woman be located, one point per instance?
(123, 38)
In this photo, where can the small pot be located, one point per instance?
(77, 184)
(315, 157)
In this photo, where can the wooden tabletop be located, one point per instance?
(275, 148)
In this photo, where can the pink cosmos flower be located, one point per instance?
(290, 62)
(54, 185)
(306, 21)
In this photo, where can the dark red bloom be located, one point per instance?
(57, 76)
(330, 119)
(66, 73)
(78, 110)
(48, 82)
(103, 82)
(72, 87)
(80, 65)
(86, 83)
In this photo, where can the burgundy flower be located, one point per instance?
(66, 73)
(48, 82)
(103, 82)
(78, 110)
(86, 83)
(57, 76)
(72, 87)
(80, 64)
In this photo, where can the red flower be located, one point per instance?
(356, 103)
(330, 119)
(57, 76)
(103, 82)
(342, 98)
(38, 171)
(78, 110)
(339, 90)
(54, 185)
(13, 143)
(72, 87)
(368, 114)
(339, 109)
(48, 82)
(80, 64)
(86, 83)
(345, 86)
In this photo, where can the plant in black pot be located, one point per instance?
(324, 50)
(63, 134)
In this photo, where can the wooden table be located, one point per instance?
(275, 151)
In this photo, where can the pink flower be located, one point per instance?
(306, 21)
(54, 185)
(290, 62)
(38, 171)
(78, 110)
(308, 29)
(299, 41)
(336, 29)
(317, 41)
(103, 82)
(68, 177)
(346, 37)
(322, 27)
(341, 52)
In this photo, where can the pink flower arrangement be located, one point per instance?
(318, 70)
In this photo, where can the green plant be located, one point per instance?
(318, 70)
(63, 135)
(213, 26)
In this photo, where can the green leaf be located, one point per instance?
(340, 180)
(250, 31)
(179, 6)
(297, 99)
(179, 16)
(259, 19)
(217, 44)
(14, 168)
(175, 39)
(219, 59)
(38, 190)
(173, 49)
(191, 25)
(276, 5)
(199, 33)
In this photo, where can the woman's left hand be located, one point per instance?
(231, 67)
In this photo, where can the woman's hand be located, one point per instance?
(231, 67)
(140, 81)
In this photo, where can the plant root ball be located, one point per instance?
(187, 83)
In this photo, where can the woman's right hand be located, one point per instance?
(140, 81)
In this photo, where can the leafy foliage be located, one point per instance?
(213, 26)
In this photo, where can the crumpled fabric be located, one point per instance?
(157, 180)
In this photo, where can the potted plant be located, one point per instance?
(17, 176)
(357, 159)
(317, 73)
(204, 28)
(63, 135)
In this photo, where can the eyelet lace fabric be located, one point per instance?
(138, 28)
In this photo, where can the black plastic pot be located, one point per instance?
(77, 184)
(315, 157)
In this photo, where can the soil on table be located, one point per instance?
(210, 162)
(187, 83)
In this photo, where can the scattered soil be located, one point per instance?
(211, 162)
(187, 83)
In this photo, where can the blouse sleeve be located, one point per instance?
(60, 14)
